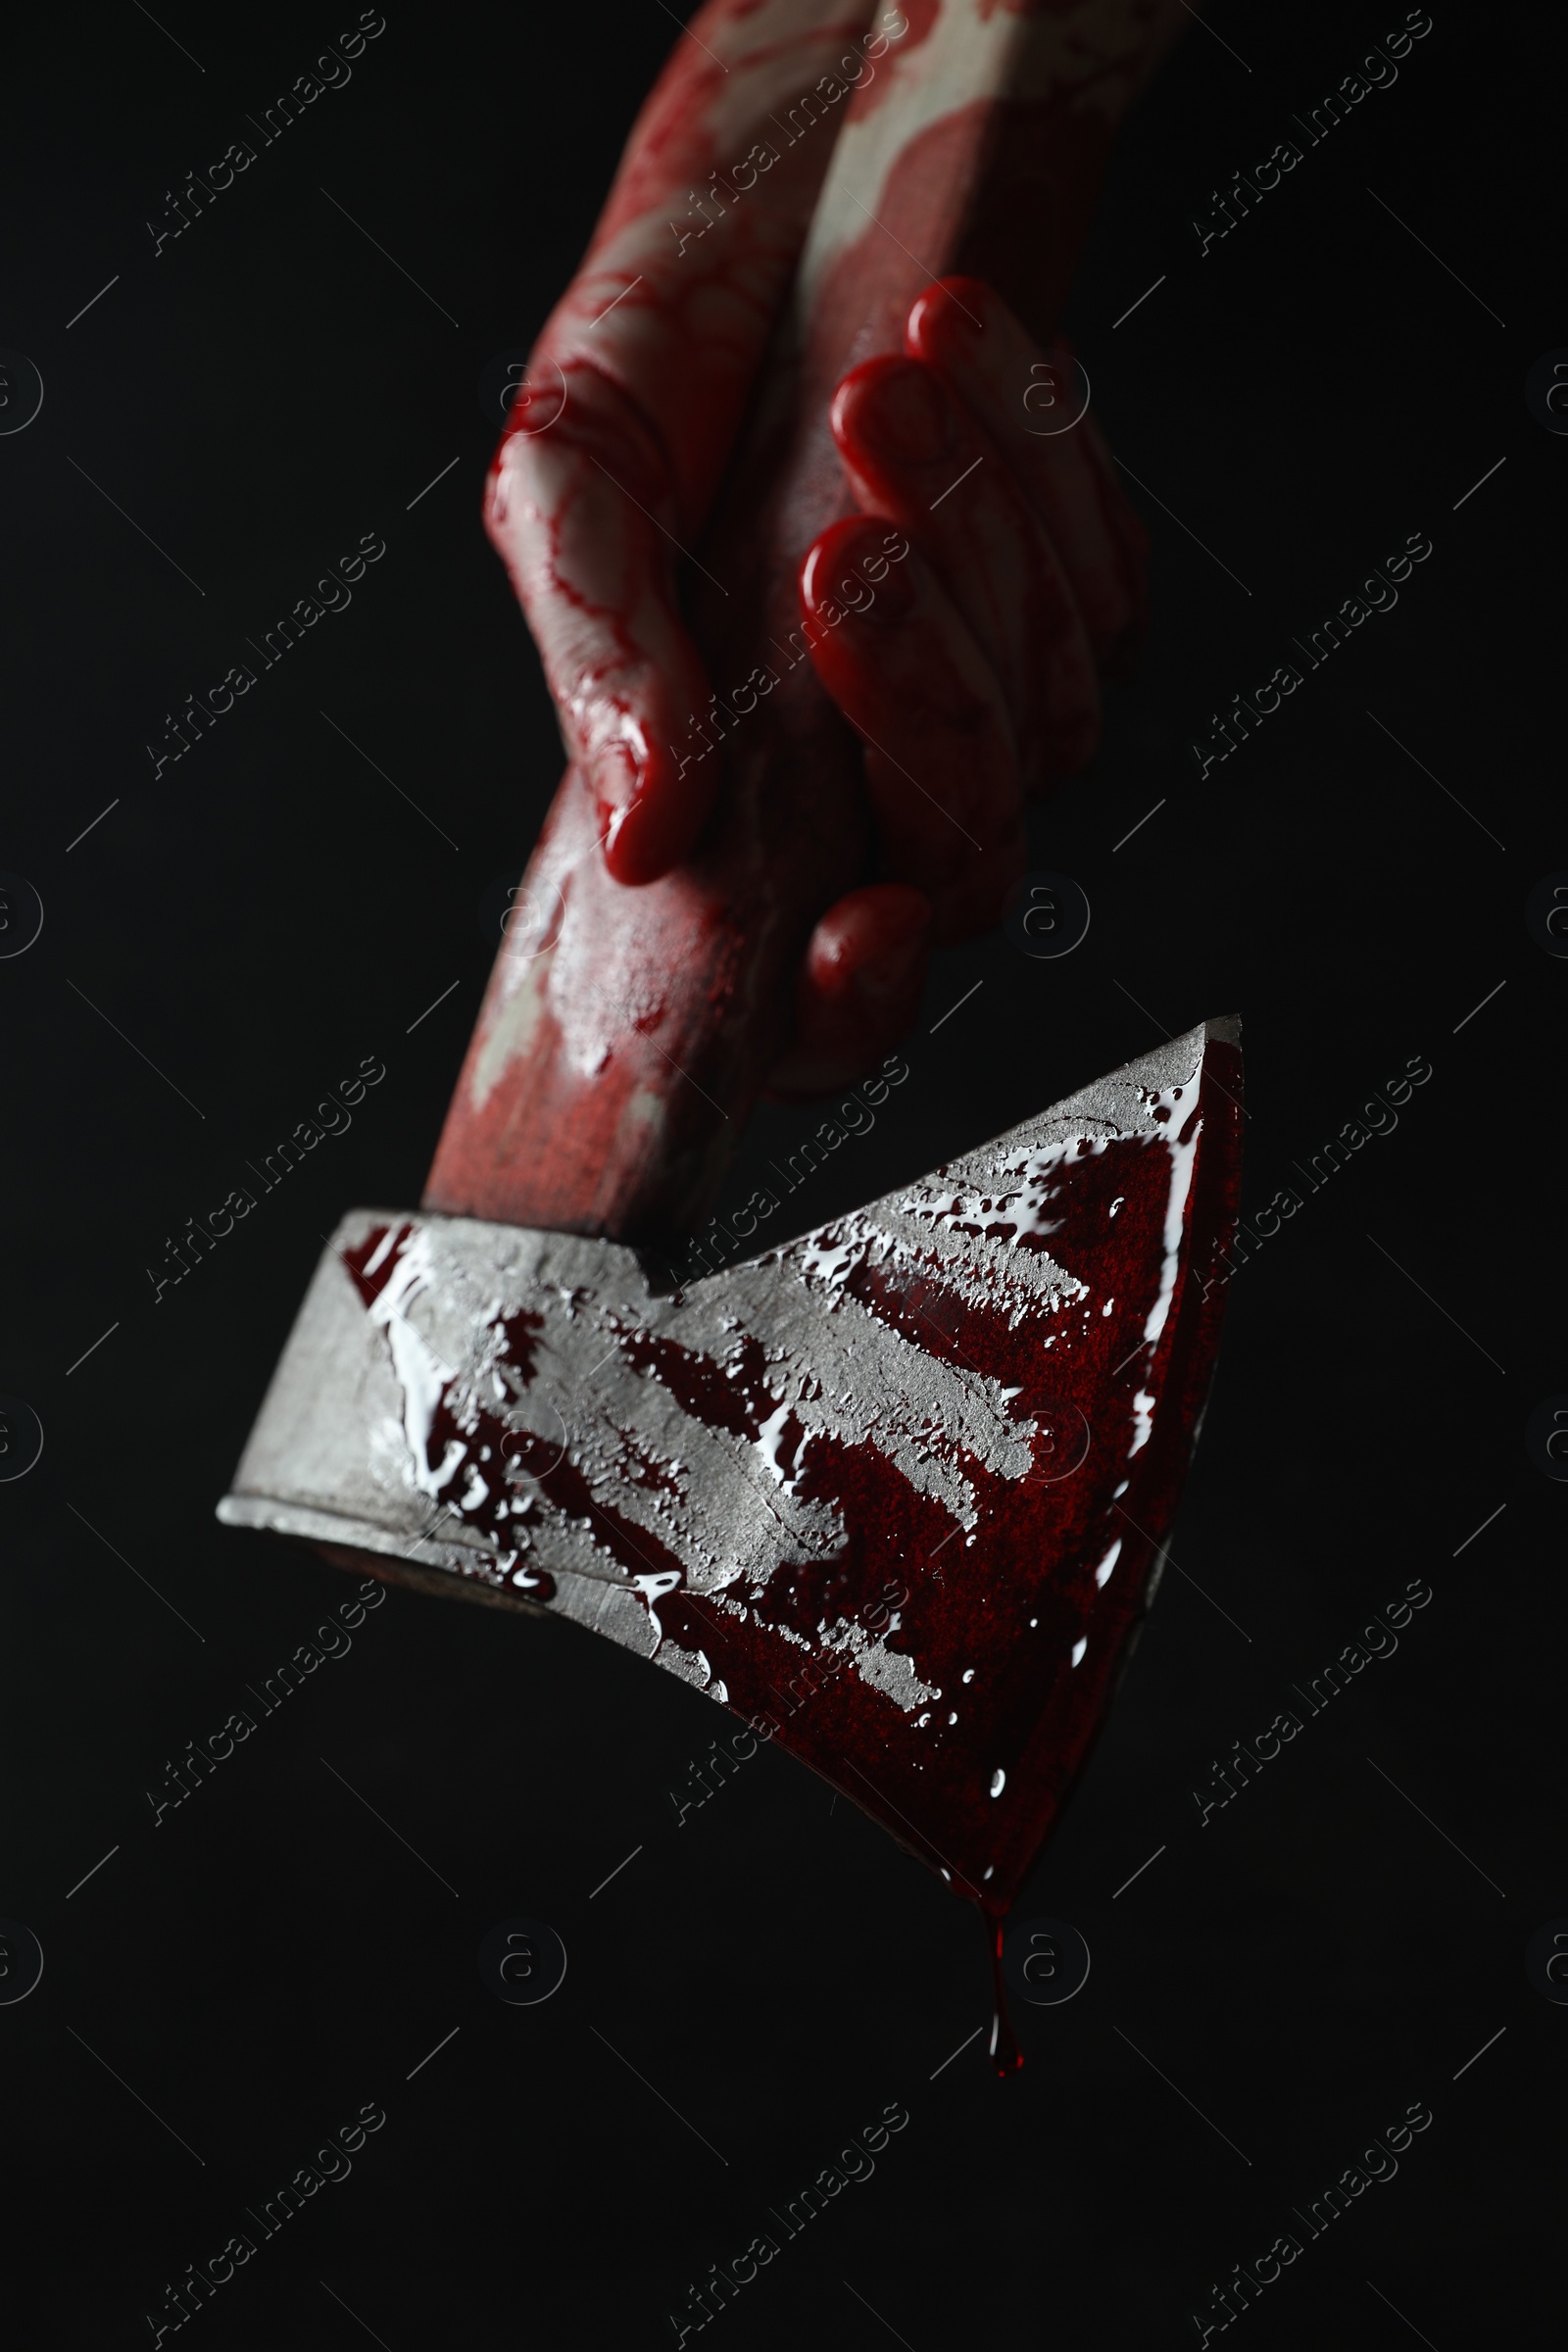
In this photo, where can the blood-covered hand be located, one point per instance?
(970, 668)
(969, 673)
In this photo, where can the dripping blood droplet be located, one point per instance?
(1006, 2057)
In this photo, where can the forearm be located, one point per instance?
(683, 279)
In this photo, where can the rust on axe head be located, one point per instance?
(897, 1491)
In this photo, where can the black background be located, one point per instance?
(270, 911)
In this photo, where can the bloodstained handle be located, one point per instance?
(626, 1032)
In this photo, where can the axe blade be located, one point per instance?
(895, 1492)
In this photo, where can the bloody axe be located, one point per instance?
(897, 1491)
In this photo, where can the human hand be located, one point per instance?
(970, 676)
(970, 671)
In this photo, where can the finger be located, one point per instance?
(913, 452)
(859, 990)
(575, 511)
(965, 331)
(941, 767)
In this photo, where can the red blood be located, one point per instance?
(608, 1075)
(1005, 2056)
(1009, 1627)
(371, 1284)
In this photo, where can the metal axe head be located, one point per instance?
(895, 1492)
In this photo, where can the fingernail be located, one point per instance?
(866, 572)
(955, 307)
(905, 415)
(887, 977)
(859, 570)
(896, 594)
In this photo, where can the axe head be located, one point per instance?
(895, 1492)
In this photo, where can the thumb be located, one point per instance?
(580, 509)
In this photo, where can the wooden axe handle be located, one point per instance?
(626, 1032)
